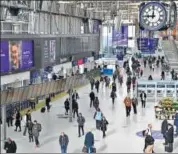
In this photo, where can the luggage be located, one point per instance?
(169, 147)
(43, 109)
(84, 150)
(93, 150)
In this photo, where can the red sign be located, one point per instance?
(80, 62)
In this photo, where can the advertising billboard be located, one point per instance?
(16, 55)
(120, 38)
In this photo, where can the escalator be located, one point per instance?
(171, 53)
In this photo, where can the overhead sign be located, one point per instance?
(107, 71)
(147, 45)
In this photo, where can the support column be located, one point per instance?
(4, 124)
(70, 96)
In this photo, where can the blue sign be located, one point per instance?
(108, 71)
(147, 45)
(85, 60)
(74, 63)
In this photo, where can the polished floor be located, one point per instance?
(121, 134)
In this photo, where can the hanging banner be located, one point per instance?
(120, 38)
(147, 45)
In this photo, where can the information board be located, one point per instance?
(107, 71)
(156, 90)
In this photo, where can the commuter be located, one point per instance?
(9, 118)
(102, 81)
(63, 141)
(92, 82)
(75, 108)
(18, 119)
(113, 96)
(92, 98)
(75, 95)
(28, 118)
(134, 104)
(10, 146)
(114, 87)
(30, 133)
(134, 81)
(81, 122)
(104, 124)
(67, 106)
(36, 132)
(98, 117)
(48, 100)
(149, 130)
(150, 78)
(143, 97)
(97, 84)
(149, 144)
(145, 62)
(162, 75)
(157, 63)
(128, 83)
(141, 72)
(96, 103)
(114, 77)
(164, 129)
(127, 102)
(120, 78)
(89, 142)
(176, 123)
(169, 138)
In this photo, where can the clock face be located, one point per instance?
(153, 16)
(173, 15)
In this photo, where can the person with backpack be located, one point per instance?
(36, 132)
(113, 96)
(10, 146)
(81, 122)
(98, 117)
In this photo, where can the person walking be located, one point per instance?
(143, 97)
(18, 118)
(89, 142)
(75, 95)
(10, 146)
(9, 118)
(81, 122)
(164, 129)
(36, 132)
(128, 102)
(176, 123)
(30, 132)
(97, 85)
(134, 104)
(48, 100)
(96, 103)
(98, 117)
(75, 108)
(169, 138)
(92, 82)
(63, 141)
(28, 118)
(113, 96)
(66, 106)
(92, 98)
(104, 124)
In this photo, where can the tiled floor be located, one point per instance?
(121, 134)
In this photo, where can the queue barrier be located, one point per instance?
(24, 94)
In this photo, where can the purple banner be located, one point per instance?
(4, 56)
(16, 55)
(120, 38)
(96, 24)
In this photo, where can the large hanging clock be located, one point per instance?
(153, 16)
(172, 15)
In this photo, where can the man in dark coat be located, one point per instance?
(75, 108)
(81, 122)
(97, 84)
(63, 141)
(48, 100)
(169, 138)
(164, 128)
(10, 146)
(92, 98)
(18, 121)
(89, 141)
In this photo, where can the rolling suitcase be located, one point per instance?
(169, 147)
(43, 109)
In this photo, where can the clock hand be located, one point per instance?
(153, 13)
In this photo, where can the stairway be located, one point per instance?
(171, 53)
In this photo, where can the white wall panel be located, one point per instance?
(15, 77)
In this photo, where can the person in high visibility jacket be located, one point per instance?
(128, 103)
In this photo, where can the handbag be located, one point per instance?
(84, 149)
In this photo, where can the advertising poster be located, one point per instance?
(52, 51)
(120, 38)
(16, 55)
